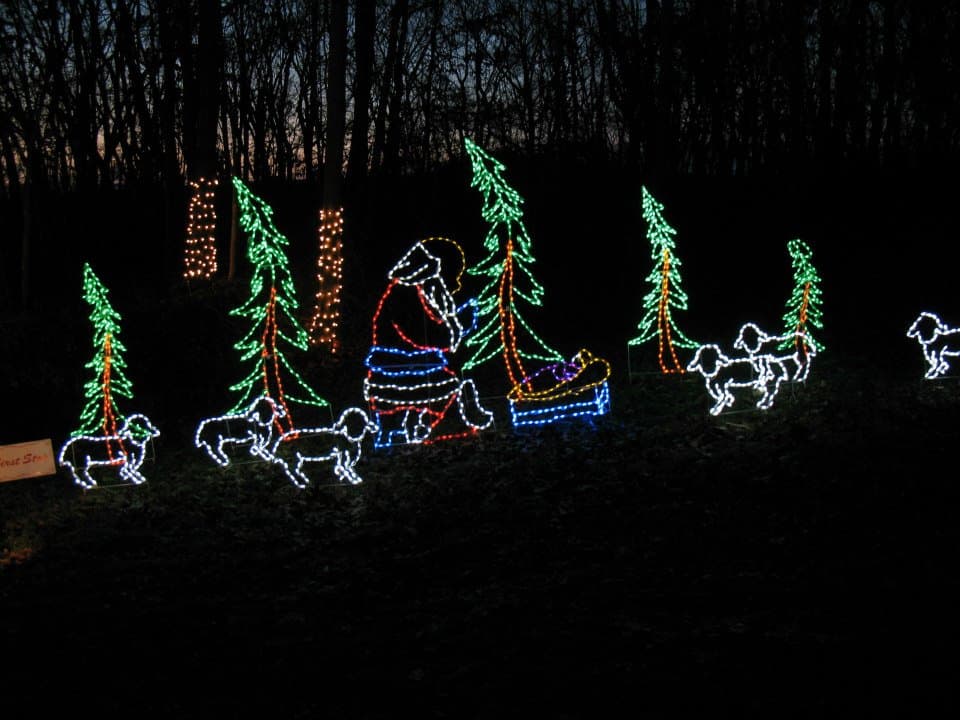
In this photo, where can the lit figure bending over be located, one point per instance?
(410, 385)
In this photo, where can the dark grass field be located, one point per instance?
(800, 562)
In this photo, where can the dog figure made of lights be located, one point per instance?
(761, 369)
(413, 393)
(938, 341)
(254, 427)
(124, 451)
(341, 444)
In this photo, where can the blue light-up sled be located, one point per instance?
(574, 388)
(591, 402)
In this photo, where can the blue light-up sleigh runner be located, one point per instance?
(574, 388)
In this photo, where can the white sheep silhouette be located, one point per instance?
(254, 427)
(124, 451)
(340, 444)
(762, 348)
(938, 340)
(722, 375)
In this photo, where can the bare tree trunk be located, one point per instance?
(234, 235)
(395, 122)
(323, 326)
(825, 147)
(397, 14)
(209, 69)
(364, 22)
(26, 198)
(428, 100)
(310, 110)
(336, 104)
(363, 34)
(31, 199)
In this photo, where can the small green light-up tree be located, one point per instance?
(665, 293)
(803, 306)
(100, 415)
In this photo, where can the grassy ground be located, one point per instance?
(788, 563)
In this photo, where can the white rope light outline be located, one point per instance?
(414, 401)
(762, 371)
(346, 448)
(937, 340)
(250, 427)
(131, 438)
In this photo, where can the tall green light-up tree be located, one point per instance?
(803, 306)
(272, 310)
(665, 293)
(100, 415)
(507, 275)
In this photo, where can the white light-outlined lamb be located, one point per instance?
(938, 341)
(722, 375)
(124, 451)
(762, 348)
(254, 427)
(340, 444)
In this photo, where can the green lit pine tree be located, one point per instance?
(100, 415)
(272, 311)
(501, 329)
(803, 306)
(665, 293)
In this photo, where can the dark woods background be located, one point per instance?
(753, 121)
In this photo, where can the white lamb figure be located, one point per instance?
(254, 427)
(340, 444)
(125, 451)
(762, 348)
(722, 375)
(938, 340)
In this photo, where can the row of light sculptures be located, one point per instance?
(413, 391)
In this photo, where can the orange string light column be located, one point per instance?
(508, 331)
(663, 322)
(200, 255)
(109, 416)
(802, 322)
(324, 324)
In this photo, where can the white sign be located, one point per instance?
(26, 460)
